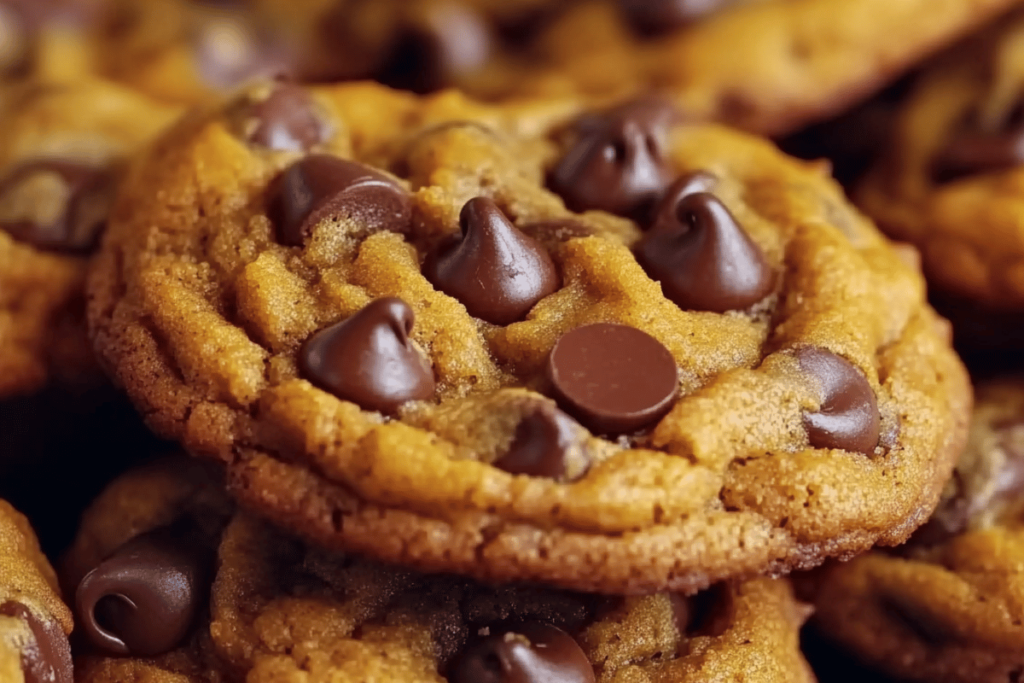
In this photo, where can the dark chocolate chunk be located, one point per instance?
(369, 359)
(618, 162)
(321, 187)
(497, 272)
(848, 418)
(662, 16)
(285, 120)
(541, 445)
(47, 659)
(54, 204)
(532, 653)
(701, 256)
(445, 42)
(613, 378)
(143, 600)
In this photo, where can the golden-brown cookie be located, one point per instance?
(949, 606)
(62, 149)
(34, 623)
(280, 610)
(754, 383)
(769, 66)
(951, 180)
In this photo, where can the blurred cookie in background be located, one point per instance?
(946, 606)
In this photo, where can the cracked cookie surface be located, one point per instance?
(278, 609)
(62, 147)
(303, 316)
(947, 606)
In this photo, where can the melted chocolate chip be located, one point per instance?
(618, 161)
(322, 187)
(497, 272)
(369, 359)
(972, 152)
(614, 379)
(702, 257)
(662, 16)
(56, 205)
(533, 653)
(285, 120)
(143, 600)
(848, 418)
(541, 445)
(445, 43)
(47, 659)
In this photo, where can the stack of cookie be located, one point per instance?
(524, 358)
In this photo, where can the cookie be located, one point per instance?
(34, 623)
(402, 343)
(947, 606)
(277, 609)
(189, 51)
(949, 183)
(62, 148)
(46, 39)
(769, 66)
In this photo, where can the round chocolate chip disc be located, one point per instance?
(613, 378)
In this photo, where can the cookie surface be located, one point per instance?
(279, 609)
(947, 607)
(62, 148)
(356, 400)
(34, 623)
(950, 183)
(767, 66)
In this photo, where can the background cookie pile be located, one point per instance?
(488, 341)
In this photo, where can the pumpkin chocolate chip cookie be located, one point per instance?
(259, 605)
(948, 606)
(61, 149)
(387, 323)
(951, 180)
(34, 623)
(769, 66)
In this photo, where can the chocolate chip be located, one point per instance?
(229, 50)
(369, 359)
(322, 187)
(57, 205)
(848, 418)
(613, 378)
(542, 444)
(654, 17)
(618, 162)
(47, 659)
(972, 152)
(533, 653)
(495, 271)
(285, 120)
(700, 254)
(445, 42)
(143, 600)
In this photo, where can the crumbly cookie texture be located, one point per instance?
(305, 318)
(947, 606)
(34, 623)
(951, 180)
(278, 609)
(62, 147)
